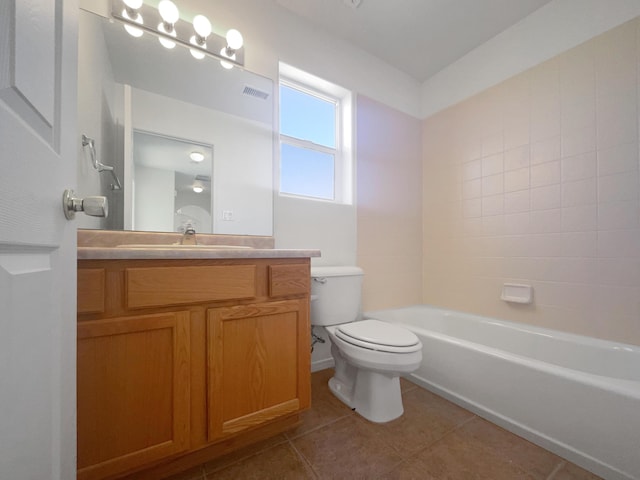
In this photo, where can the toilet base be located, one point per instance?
(374, 395)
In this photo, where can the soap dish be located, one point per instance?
(517, 293)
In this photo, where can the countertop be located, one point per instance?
(182, 252)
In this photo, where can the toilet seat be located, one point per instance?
(381, 336)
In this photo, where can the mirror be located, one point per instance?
(172, 184)
(143, 103)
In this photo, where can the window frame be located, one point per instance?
(342, 157)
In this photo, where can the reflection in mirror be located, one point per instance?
(172, 184)
(128, 85)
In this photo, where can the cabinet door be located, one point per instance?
(133, 392)
(258, 364)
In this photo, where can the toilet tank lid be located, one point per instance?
(341, 271)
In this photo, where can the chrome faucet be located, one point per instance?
(189, 237)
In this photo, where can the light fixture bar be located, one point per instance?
(183, 30)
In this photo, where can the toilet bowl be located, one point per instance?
(369, 355)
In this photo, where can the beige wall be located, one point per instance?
(389, 205)
(536, 181)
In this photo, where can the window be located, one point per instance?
(315, 138)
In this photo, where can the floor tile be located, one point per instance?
(278, 463)
(433, 440)
(406, 385)
(457, 457)
(251, 450)
(346, 449)
(325, 407)
(537, 461)
(426, 419)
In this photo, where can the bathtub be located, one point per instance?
(576, 396)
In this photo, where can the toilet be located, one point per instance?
(369, 355)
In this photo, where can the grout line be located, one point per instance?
(304, 459)
(318, 427)
(444, 435)
(243, 458)
(559, 467)
(394, 467)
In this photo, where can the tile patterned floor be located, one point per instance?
(434, 439)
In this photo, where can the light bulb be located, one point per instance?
(168, 11)
(133, 4)
(198, 189)
(196, 53)
(133, 31)
(196, 156)
(227, 65)
(166, 43)
(202, 25)
(234, 39)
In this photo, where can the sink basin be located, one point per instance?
(156, 246)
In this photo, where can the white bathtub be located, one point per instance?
(576, 396)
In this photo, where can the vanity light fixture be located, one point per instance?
(131, 13)
(170, 15)
(197, 36)
(196, 156)
(202, 26)
(234, 42)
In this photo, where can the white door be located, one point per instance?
(38, 60)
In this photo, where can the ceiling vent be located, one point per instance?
(203, 178)
(254, 92)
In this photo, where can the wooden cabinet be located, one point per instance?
(180, 361)
(255, 370)
(133, 391)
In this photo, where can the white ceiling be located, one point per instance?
(419, 37)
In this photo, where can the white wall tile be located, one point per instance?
(545, 150)
(618, 159)
(619, 244)
(472, 189)
(517, 223)
(618, 215)
(581, 192)
(617, 188)
(543, 198)
(492, 164)
(492, 185)
(579, 167)
(578, 140)
(580, 218)
(515, 180)
(545, 174)
(617, 123)
(579, 244)
(619, 271)
(517, 158)
(492, 144)
(546, 221)
(517, 201)
(471, 170)
(568, 220)
(493, 205)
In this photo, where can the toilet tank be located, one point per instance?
(335, 295)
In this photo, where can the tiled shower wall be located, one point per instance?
(537, 181)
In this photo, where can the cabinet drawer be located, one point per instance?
(91, 290)
(161, 286)
(288, 280)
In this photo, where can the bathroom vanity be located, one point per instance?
(186, 354)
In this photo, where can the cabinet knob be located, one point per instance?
(94, 206)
